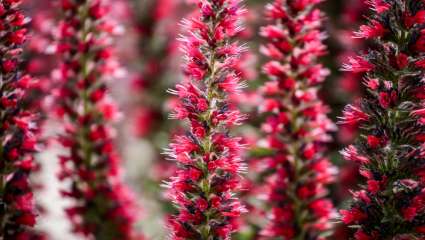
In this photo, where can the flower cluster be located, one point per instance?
(296, 126)
(208, 157)
(103, 206)
(390, 149)
(17, 127)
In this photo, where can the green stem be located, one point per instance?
(294, 151)
(298, 165)
(205, 229)
(85, 96)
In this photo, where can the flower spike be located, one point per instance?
(208, 157)
(296, 126)
(389, 150)
(18, 127)
(103, 206)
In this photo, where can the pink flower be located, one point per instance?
(208, 156)
(351, 154)
(274, 68)
(374, 30)
(420, 63)
(294, 114)
(357, 65)
(379, 6)
(273, 32)
(353, 115)
(362, 195)
(372, 83)
(322, 208)
(276, 10)
(91, 164)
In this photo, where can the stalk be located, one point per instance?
(390, 118)
(208, 156)
(296, 126)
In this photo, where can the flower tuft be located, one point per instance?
(103, 206)
(389, 150)
(18, 128)
(296, 124)
(208, 157)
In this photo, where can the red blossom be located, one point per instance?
(353, 115)
(374, 30)
(18, 127)
(373, 141)
(294, 113)
(351, 154)
(208, 157)
(352, 216)
(379, 6)
(357, 65)
(102, 204)
(390, 120)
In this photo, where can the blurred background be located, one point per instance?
(150, 59)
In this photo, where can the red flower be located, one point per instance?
(410, 213)
(420, 63)
(374, 30)
(362, 195)
(391, 128)
(385, 99)
(209, 157)
(353, 115)
(379, 6)
(357, 65)
(402, 60)
(373, 186)
(27, 219)
(18, 127)
(9, 65)
(353, 215)
(322, 208)
(351, 154)
(102, 204)
(294, 114)
(373, 141)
